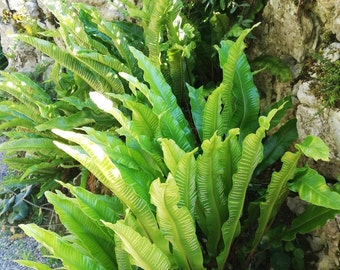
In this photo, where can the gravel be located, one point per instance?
(18, 246)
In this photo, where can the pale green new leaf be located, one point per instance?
(122, 257)
(176, 224)
(183, 167)
(252, 154)
(98, 162)
(276, 193)
(313, 188)
(210, 191)
(91, 233)
(97, 207)
(71, 256)
(172, 154)
(313, 147)
(146, 255)
(33, 265)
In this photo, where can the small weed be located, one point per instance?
(327, 85)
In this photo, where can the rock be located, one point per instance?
(322, 122)
(324, 242)
(329, 14)
(286, 30)
(313, 118)
(21, 57)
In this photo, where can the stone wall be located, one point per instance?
(293, 30)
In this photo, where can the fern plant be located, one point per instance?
(182, 185)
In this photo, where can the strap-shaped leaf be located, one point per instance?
(144, 121)
(23, 88)
(210, 190)
(230, 74)
(176, 224)
(212, 119)
(277, 144)
(119, 40)
(145, 254)
(252, 154)
(183, 167)
(230, 153)
(91, 233)
(72, 121)
(38, 144)
(97, 207)
(312, 188)
(146, 143)
(197, 104)
(155, 29)
(71, 256)
(311, 219)
(276, 194)
(33, 265)
(177, 68)
(162, 99)
(122, 257)
(68, 61)
(169, 128)
(245, 103)
(97, 161)
(23, 111)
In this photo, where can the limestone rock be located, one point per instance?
(314, 119)
(21, 57)
(329, 14)
(286, 30)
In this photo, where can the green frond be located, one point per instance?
(177, 67)
(119, 40)
(144, 253)
(229, 59)
(72, 121)
(176, 224)
(97, 207)
(183, 167)
(92, 234)
(210, 191)
(312, 188)
(212, 119)
(276, 144)
(276, 194)
(68, 61)
(98, 162)
(311, 219)
(252, 154)
(33, 265)
(71, 256)
(197, 103)
(29, 144)
(144, 121)
(163, 100)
